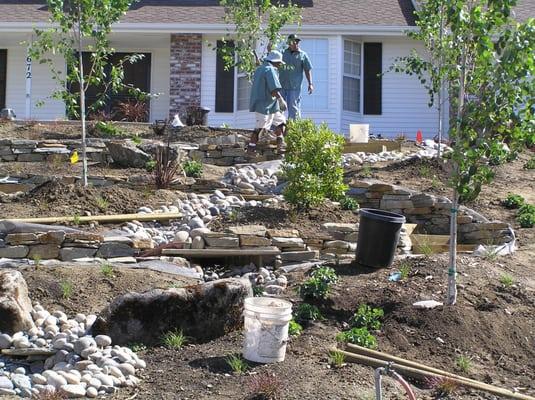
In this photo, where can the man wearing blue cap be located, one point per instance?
(291, 75)
(266, 101)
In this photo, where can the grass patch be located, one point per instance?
(506, 280)
(463, 363)
(174, 340)
(237, 364)
(336, 358)
(67, 289)
(107, 270)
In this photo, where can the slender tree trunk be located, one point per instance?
(452, 271)
(82, 99)
(440, 63)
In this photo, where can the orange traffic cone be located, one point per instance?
(419, 137)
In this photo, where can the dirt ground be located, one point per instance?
(492, 325)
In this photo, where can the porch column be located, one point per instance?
(185, 72)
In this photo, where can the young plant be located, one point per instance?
(258, 291)
(358, 336)
(530, 164)
(463, 363)
(133, 111)
(405, 269)
(366, 171)
(513, 201)
(294, 328)
(506, 280)
(348, 203)
(526, 216)
(67, 289)
(367, 317)
(336, 358)
(265, 386)
(425, 171)
(237, 364)
(174, 340)
(319, 284)
(166, 168)
(102, 203)
(313, 164)
(150, 165)
(136, 139)
(308, 312)
(76, 219)
(444, 386)
(36, 261)
(108, 129)
(137, 347)
(193, 168)
(107, 270)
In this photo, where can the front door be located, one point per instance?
(3, 73)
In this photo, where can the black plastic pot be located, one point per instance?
(378, 237)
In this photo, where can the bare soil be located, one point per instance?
(492, 325)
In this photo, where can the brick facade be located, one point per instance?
(185, 79)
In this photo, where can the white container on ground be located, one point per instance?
(359, 133)
(266, 329)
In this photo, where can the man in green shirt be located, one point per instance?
(291, 76)
(266, 100)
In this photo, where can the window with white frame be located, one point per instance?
(352, 76)
(243, 91)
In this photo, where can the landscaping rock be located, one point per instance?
(44, 251)
(14, 251)
(250, 240)
(72, 253)
(127, 155)
(205, 312)
(299, 255)
(114, 250)
(256, 230)
(15, 305)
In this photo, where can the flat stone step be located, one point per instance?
(210, 253)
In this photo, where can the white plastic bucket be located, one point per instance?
(266, 329)
(359, 133)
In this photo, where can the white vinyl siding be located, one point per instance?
(318, 52)
(352, 76)
(242, 92)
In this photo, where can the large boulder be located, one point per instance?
(15, 305)
(203, 312)
(126, 154)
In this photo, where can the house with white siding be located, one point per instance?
(349, 42)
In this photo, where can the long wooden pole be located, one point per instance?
(419, 371)
(102, 218)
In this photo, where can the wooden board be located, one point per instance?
(436, 244)
(210, 253)
(373, 146)
(102, 218)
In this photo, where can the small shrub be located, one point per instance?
(36, 261)
(319, 284)
(312, 164)
(463, 363)
(108, 128)
(193, 168)
(265, 386)
(506, 280)
(425, 171)
(102, 203)
(366, 171)
(133, 111)
(308, 312)
(150, 165)
(530, 164)
(237, 364)
(137, 347)
(67, 289)
(107, 270)
(166, 168)
(513, 201)
(76, 219)
(136, 139)
(367, 317)
(526, 219)
(174, 340)
(358, 336)
(349, 203)
(336, 358)
(294, 329)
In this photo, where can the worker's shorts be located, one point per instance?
(266, 121)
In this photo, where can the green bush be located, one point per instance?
(108, 128)
(513, 201)
(530, 164)
(526, 220)
(313, 164)
(308, 312)
(294, 328)
(319, 284)
(349, 203)
(358, 336)
(367, 317)
(193, 168)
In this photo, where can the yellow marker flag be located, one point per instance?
(74, 157)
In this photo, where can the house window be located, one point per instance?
(318, 52)
(352, 76)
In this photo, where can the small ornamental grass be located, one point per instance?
(237, 364)
(174, 340)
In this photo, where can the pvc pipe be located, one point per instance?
(102, 218)
(421, 373)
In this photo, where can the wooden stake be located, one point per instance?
(102, 218)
